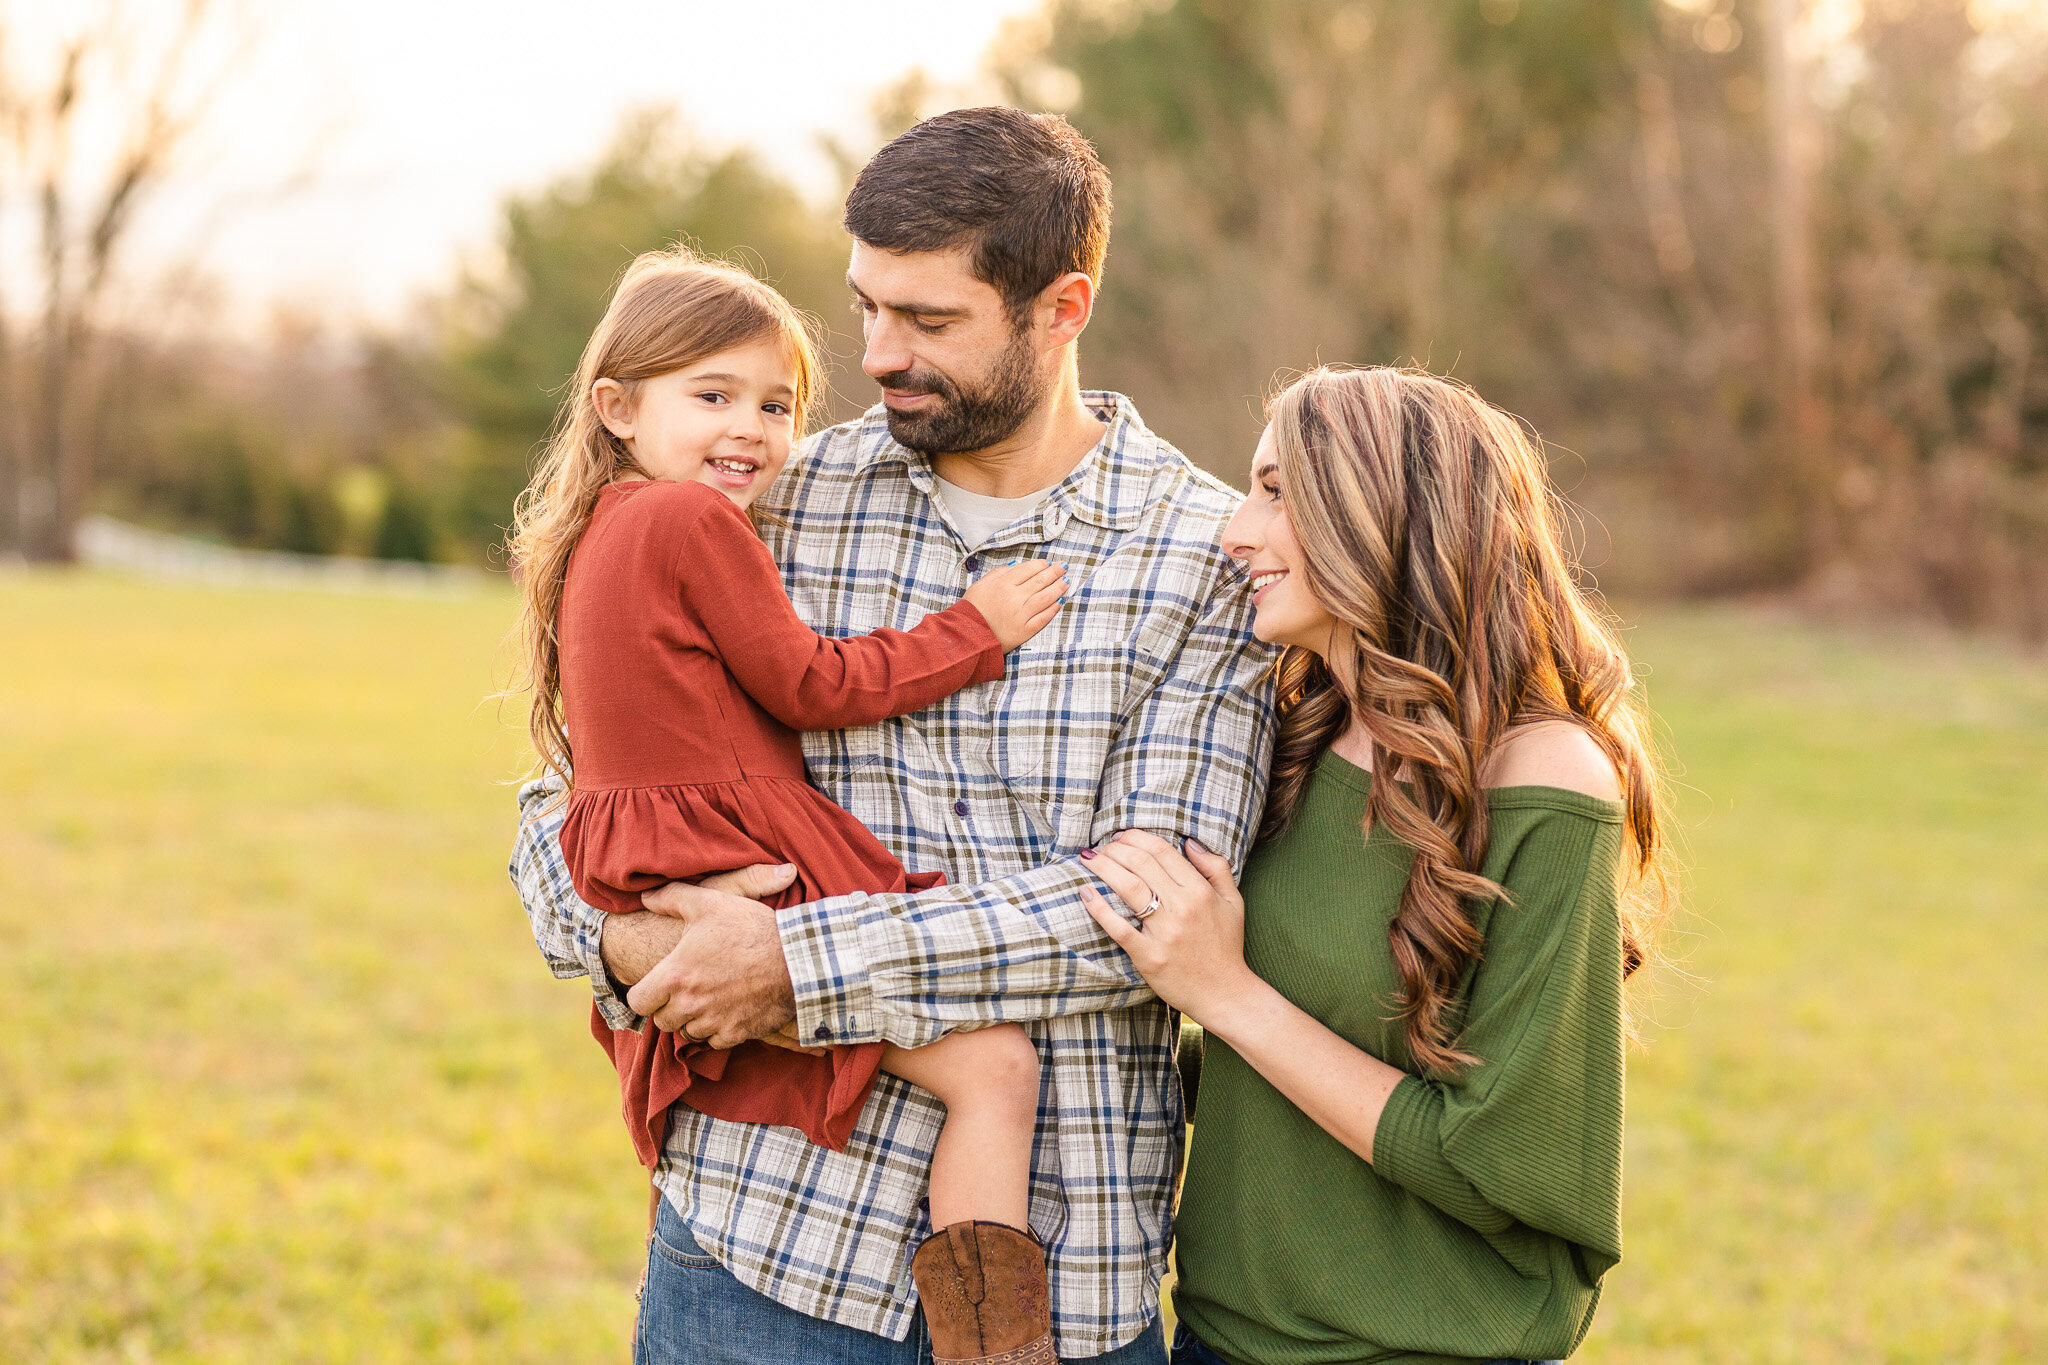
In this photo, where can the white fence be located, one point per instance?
(110, 544)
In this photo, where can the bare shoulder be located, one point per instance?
(1552, 754)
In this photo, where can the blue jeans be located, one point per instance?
(1189, 1350)
(693, 1312)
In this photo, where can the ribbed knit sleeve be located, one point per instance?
(1532, 1134)
(806, 680)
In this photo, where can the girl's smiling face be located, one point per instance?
(1260, 536)
(725, 421)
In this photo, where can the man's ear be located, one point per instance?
(614, 407)
(1068, 302)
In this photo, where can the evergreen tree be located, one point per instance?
(519, 333)
(406, 528)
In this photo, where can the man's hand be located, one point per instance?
(726, 981)
(635, 944)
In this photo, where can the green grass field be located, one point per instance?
(282, 1078)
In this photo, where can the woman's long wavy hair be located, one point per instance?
(672, 308)
(1428, 528)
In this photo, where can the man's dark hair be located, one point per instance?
(1024, 192)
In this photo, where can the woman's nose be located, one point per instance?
(1239, 542)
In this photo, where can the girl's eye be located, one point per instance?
(776, 409)
(712, 397)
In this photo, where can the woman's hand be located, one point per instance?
(1191, 949)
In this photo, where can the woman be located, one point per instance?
(1410, 1140)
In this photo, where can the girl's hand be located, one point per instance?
(1191, 949)
(1019, 599)
(787, 1039)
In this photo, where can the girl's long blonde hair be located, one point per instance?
(1428, 528)
(672, 308)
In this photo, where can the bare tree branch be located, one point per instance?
(83, 220)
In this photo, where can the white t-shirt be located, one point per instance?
(977, 517)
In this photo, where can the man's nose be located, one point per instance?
(886, 351)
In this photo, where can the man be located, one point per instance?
(979, 238)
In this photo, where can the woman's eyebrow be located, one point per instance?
(1263, 470)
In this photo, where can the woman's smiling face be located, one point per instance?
(1260, 536)
(725, 421)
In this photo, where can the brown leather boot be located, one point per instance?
(985, 1296)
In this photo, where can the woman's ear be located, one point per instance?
(614, 407)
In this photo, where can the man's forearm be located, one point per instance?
(634, 943)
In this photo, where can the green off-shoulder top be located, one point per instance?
(1493, 1204)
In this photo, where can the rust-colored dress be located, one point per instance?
(685, 678)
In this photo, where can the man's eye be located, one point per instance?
(930, 329)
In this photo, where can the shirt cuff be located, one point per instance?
(1407, 1148)
(609, 994)
(992, 662)
(828, 966)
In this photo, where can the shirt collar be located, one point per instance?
(1108, 488)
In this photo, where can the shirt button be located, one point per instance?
(823, 1032)
(974, 563)
(959, 808)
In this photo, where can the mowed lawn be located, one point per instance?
(283, 1079)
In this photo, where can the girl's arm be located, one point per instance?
(804, 679)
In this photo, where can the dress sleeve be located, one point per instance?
(805, 680)
(1532, 1135)
(907, 967)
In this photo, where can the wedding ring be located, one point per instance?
(1151, 909)
(684, 1029)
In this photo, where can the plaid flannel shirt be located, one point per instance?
(1145, 704)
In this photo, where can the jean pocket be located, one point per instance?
(689, 1256)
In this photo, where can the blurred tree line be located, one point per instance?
(1771, 276)
(413, 446)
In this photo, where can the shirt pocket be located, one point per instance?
(1061, 709)
(844, 763)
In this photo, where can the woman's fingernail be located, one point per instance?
(1087, 853)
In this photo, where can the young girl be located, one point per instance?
(663, 648)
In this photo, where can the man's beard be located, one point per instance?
(966, 419)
